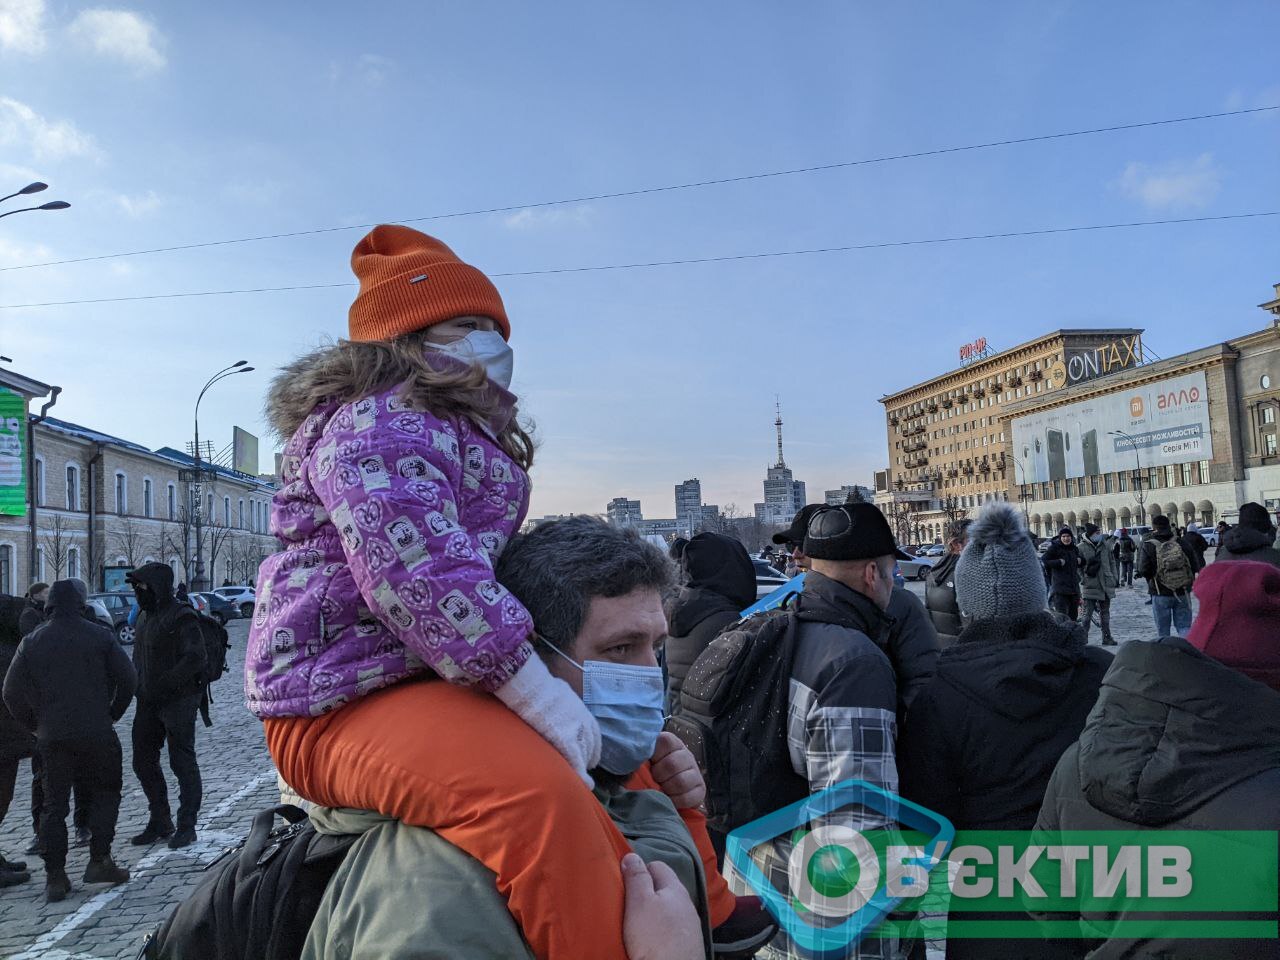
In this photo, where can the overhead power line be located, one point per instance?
(668, 188)
(689, 260)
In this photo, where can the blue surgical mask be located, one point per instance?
(627, 703)
(487, 348)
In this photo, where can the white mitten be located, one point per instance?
(550, 706)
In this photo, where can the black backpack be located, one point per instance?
(257, 900)
(732, 716)
(216, 645)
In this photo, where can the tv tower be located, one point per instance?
(778, 423)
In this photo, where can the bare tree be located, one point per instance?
(216, 537)
(128, 539)
(57, 542)
(179, 536)
(950, 505)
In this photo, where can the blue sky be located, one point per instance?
(175, 123)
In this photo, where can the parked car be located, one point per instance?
(1210, 534)
(243, 598)
(218, 607)
(917, 568)
(936, 550)
(118, 606)
(100, 613)
(767, 579)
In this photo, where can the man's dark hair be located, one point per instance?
(556, 570)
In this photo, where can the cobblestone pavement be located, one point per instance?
(101, 921)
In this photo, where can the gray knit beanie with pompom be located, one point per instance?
(999, 573)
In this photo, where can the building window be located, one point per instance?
(1268, 414)
(40, 563)
(1153, 478)
(1265, 381)
(208, 514)
(240, 513)
(226, 511)
(1057, 489)
(173, 502)
(1093, 484)
(73, 487)
(122, 493)
(39, 468)
(146, 496)
(1186, 475)
(1122, 482)
(73, 563)
(1107, 484)
(1170, 476)
(1204, 471)
(1269, 445)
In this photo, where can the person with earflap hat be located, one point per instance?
(407, 468)
(1185, 736)
(1253, 538)
(1009, 696)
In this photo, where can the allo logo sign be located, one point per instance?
(1136, 408)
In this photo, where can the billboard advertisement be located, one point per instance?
(13, 460)
(244, 451)
(1153, 425)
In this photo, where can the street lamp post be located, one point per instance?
(1137, 476)
(1022, 491)
(29, 189)
(197, 496)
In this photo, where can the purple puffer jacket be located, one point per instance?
(392, 520)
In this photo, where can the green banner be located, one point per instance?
(13, 453)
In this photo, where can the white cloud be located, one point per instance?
(139, 206)
(535, 219)
(1179, 184)
(17, 254)
(22, 26)
(367, 70)
(43, 139)
(121, 35)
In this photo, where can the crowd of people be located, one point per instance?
(66, 683)
(540, 738)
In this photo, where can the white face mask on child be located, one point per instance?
(487, 348)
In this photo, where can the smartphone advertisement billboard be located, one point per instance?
(1162, 423)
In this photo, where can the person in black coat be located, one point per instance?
(1063, 562)
(169, 655)
(16, 741)
(719, 582)
(33, 611)
(1185, 736)
(940, 588)
(1253, 538)
(69, 682)
(982, 739)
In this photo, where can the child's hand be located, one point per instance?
(550, 706)
(676, 772)
(659, 922)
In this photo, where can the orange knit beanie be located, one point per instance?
(409, 281)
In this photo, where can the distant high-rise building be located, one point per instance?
(784, 496)
(623, 512)
(836, 497)
(688, 507)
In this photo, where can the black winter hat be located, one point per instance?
(1255, 515)
(854, 531)
(1090, 529)
(1159, 522)
(1068, 531)
(794, 534)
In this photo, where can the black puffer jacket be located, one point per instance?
(70, 680)
(168, 650)
(912, 646)
(1177, 741)
(720, 581)
(1248, 543)
(1063, 563)
(940, 599)
(32, 616)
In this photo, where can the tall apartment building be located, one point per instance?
(623, 512)
(688, 507)
(949, 452)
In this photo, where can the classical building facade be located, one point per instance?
(102, 504)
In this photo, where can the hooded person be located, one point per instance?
(16, 741)
(69, 682)
(1100, 577)
(719, 581)
(1185, 736)
(1013, 692)
(169, 656)
(1253, 538)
